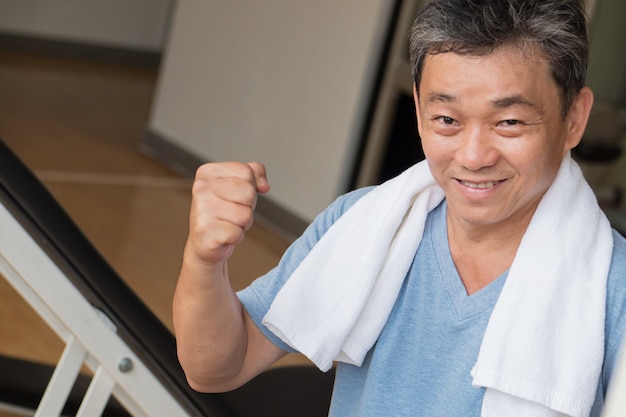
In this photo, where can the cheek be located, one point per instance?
(427, 148)
(434, 149)
(540, 169)
(435, 157)
(438, 165)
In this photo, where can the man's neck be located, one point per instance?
(482, 254)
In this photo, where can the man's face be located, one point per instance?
(493, 133)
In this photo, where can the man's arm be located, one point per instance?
(219, 347)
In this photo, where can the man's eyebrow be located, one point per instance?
(499, 103)
(516, 100)
(442, 97)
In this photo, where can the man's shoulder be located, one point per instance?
(617, 274)
(348, 199)
(619, 248)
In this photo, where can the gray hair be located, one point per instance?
(557, 28)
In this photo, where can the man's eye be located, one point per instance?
(510, 122)
(446, 120)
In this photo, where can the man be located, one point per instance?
(512, 296)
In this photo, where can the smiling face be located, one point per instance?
(493, 134)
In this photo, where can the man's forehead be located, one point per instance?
(525, 51)
(511, 60)
(508, 80)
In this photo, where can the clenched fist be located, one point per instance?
(224, 196)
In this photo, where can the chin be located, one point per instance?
(480, 216)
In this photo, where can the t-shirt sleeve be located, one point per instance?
(615, 324)
(258, 297)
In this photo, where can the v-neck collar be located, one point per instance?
(465, 306)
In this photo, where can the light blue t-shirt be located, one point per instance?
(420, 365)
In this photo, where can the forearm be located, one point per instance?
(219, 347)
(209, 325)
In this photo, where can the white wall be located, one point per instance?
(135, 24)
(284, 82)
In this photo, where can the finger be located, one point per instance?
(227, 200)
(240, 215)
(234, 190)
(260, 177)
(217, 245)
(216, 227)
(220, 170)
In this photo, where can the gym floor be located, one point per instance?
(77, 125)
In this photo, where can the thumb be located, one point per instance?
(260, 176)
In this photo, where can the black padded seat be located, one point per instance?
(302, 391)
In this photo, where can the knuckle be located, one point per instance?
(243, 216)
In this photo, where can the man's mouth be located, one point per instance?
(481, 185)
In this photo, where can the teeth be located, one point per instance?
(479, 184)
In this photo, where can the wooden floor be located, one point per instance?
(77, 126)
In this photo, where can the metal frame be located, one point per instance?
(90, 337)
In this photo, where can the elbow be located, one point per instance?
(202, 386)
(204, 378)
(213, 385)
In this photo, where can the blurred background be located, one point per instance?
(114, 103)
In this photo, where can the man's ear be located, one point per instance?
(578, 117)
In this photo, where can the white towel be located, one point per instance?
(542, 352)
(336, 303)
(545, 338)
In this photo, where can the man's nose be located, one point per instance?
(476, 149)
